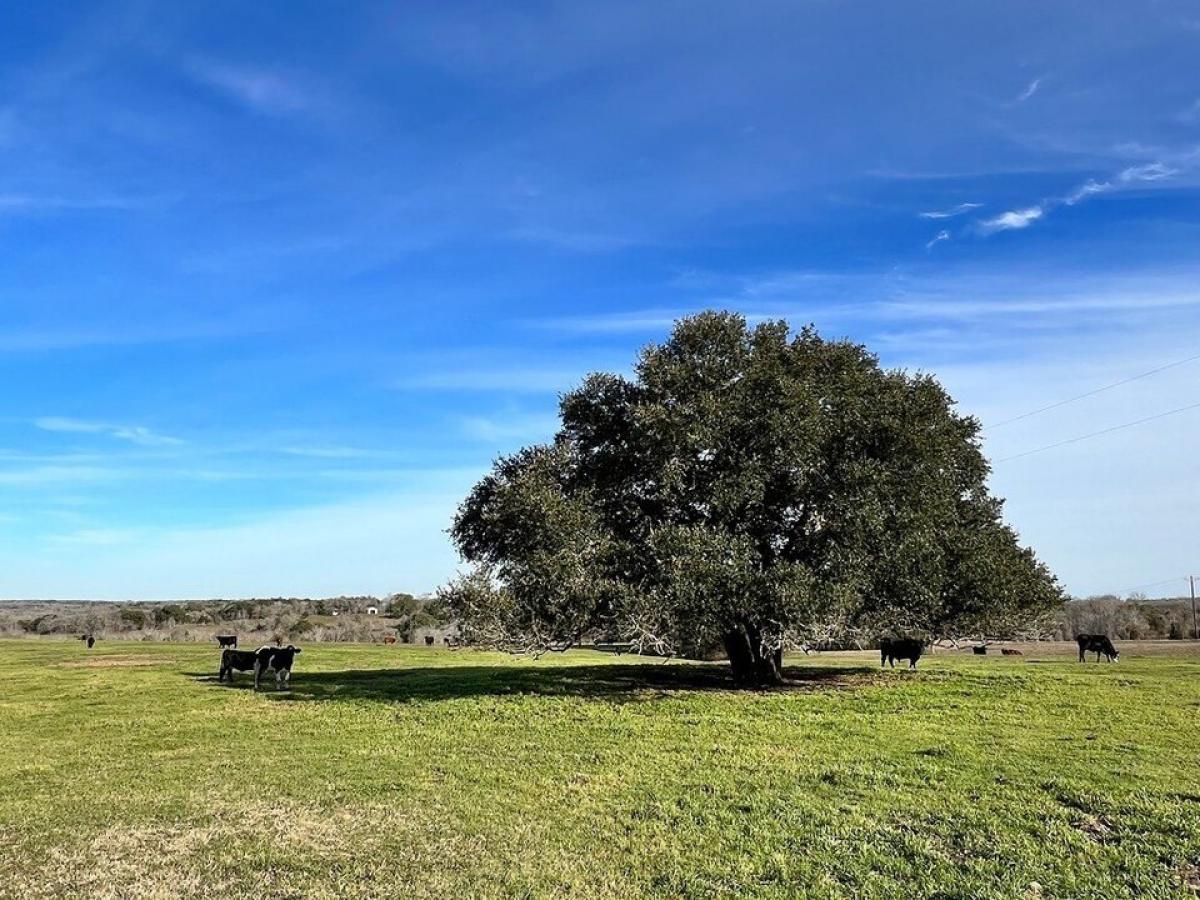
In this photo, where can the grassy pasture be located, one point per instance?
(387, 772)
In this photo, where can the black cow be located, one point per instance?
(236, 661)
(275, 659)
(226, 640)
(981, 650)
(91, 641)
(429, 640)
(1097, 643)
(900, 648)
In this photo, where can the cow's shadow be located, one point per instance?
(618, 681)
(242, 681)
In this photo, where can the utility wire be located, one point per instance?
(1140, 587)
(1084, 437)
(1093, 392)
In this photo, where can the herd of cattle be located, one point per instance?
(278, 660)
(912, 649)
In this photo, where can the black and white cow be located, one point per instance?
(1097, 643)
(275, 659)
(264, 659)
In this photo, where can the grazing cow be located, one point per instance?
(236, 661)
(1011, 651)
(429, 640)
(1097, 643)
(277, 660)
(226, 640)
(981, 650)
(891, 650)
(390, 639)
(446, 640)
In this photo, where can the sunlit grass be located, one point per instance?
(128, 771)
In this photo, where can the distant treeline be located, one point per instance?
(410, 618)
(1135, 618)
(362, 618)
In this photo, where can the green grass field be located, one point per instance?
(129, 772)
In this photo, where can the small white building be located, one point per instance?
(372, 610)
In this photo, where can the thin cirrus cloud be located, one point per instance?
(1017, 219)
(112, 202)
(1085, 190)
(45, 476)
(328, 452)
(1012, 220)
(511, 427)
(949, 213)
(134, 434)
(1155, 171)
(942, 235)
(260, 90)
(1030, 90)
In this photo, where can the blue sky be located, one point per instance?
(279, 280)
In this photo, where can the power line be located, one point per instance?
(1084, 437)
(1093, 392)
(1141, 587)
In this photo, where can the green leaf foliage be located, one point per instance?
(749, 488)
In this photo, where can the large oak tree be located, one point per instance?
(748, 489)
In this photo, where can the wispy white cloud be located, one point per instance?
(259, 89)
(1012, 220)
(97, 537)
(328, 452)
(920, 318)
(942, 235)
(1085, 190)
(1030, 90)
(1155, 171)
(504, 428)
(932, 307)
(572, 239)
(1022, 218)
(134, 434)
(57, 475)
(35, 203)
(949, 213)
(37, 337)
(286, 552)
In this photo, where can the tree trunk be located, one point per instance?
(751, 666)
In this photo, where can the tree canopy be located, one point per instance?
(748, 489)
